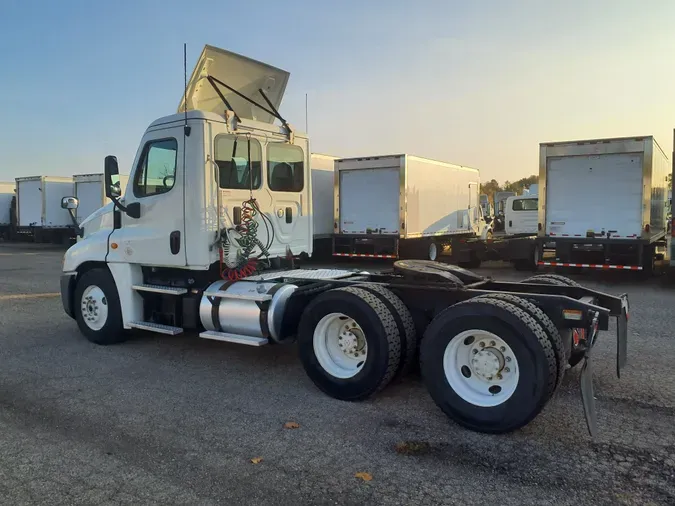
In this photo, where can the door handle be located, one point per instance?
(236, 215)
(174, 242)
(289, 215)
(510, 223)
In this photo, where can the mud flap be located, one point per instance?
(622, 336)
(588, 395)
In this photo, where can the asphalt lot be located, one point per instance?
(177, 420)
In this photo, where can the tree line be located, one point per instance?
(493, 186)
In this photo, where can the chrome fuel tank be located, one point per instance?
(248, 308)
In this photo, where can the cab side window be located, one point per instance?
(525, 205)
(235, 170)
(285, 167)
(156, 171)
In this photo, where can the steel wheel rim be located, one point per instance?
(481, 368)
(94, 307)
(433, 252)
(340, 345)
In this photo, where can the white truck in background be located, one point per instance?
(90, 191)
(206, 243)
(521, 213)
(6, 209)
(39, 212)
(603, 203)
(500, 210)
(323, 170)
(403, 206)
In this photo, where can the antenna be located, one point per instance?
(306, 115)
(186, 128)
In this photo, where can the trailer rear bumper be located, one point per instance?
(365, 246)
(601, 252)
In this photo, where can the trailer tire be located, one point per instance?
(510, 333)
(546, 324)
(404, 322)
(337, 373)
(574, 354)
(96, 292)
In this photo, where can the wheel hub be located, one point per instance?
(481, 367)
(340, 345)
(94, 307)
(487, 363)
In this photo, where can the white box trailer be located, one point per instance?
(90, 191)
(323, 170)
(386, 202)
(322, 174)
(603, 202)
(6, 196)
(6, 211)
(38, 204)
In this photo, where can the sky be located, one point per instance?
(478, 83)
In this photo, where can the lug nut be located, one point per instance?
(482, 344)
(502, 348)
(508, 359)
(506, 369)
(492, 343)
(499, 376)
(474, 351)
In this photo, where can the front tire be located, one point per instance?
(349, 343)
(499, 336)
(97, 308)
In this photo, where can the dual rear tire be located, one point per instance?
(490, 363)
(354, 341)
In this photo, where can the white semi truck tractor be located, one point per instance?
(216, 213)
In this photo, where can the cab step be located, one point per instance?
(233, 338)
(156, 327)
(169, 290)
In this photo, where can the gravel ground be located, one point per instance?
(177, 420)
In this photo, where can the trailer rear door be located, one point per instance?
(370, 200)
(598, 193)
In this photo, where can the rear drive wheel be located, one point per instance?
(404, 322)
(551, 279)
(546, 324)
(574, 352)
(97, 308)
(488, 365)
(349, 343)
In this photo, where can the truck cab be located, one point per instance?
(220, 165)
(521, 214)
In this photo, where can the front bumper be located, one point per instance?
(67, 288)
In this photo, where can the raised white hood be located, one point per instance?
(243, 74)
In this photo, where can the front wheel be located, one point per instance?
(97, 308)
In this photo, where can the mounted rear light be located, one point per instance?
(647, 228)
(572, 314)
(539, 227)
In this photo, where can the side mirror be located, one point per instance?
(112, 177)
(70, 203)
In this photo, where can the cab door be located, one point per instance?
(289, 192)
(157, 237)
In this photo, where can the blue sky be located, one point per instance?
(478, 83)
